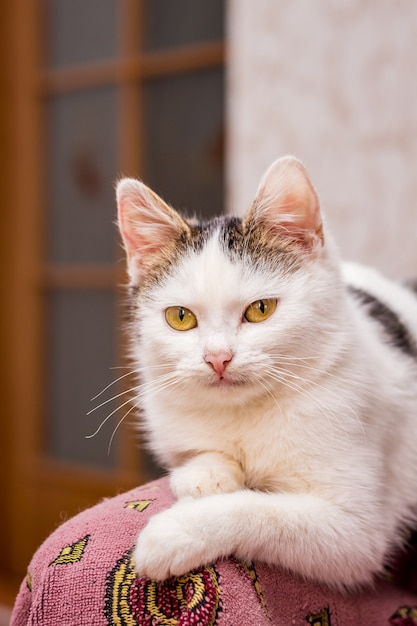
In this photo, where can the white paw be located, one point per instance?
(170, 545)
(200, 478)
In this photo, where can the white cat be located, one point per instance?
(279, 387)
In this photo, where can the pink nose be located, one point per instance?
(219, 361)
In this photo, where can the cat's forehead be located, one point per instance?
(220, 261)
(205, 272)
(226, 229)
(215, 271)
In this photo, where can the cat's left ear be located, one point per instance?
(287, 204)
(149, 227)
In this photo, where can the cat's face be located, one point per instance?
(230, 309)
(225, 327)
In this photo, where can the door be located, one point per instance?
(96, 89)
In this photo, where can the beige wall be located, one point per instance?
(333, 82)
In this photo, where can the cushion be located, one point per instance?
(83, 574)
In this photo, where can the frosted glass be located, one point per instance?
(80, 31)
(81, 350)
(80, 176)
(169, 23)
(183, 140)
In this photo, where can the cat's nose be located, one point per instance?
(218, 361)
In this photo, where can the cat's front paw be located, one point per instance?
(206, 475)
(202, 482)
(170, 545)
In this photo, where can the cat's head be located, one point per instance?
(232, 307)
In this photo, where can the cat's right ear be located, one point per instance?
(287, 205)
(149, 227)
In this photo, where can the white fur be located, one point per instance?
(335, 446)
(309, 461)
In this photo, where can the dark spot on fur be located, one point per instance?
(394, 329)
(251, 244)
(271, 248)
(231, 237)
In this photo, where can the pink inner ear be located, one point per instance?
(287, 202)
(140, 234)
(140, 244)
(129, 240)
(304, 207)
(147, 225)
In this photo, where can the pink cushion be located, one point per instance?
(83, 576)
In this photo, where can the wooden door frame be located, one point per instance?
(6, 457)
(21, 315)
(32, 482)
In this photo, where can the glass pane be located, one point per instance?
(80, 354)
(80, 176)
(168, 24)
(183, 140)
(80, 31)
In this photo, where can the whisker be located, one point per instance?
(281, 378)
(150, 388)
(122, 393)
(107, 418)
(267, 386)
(132, 408)
(139, 386)
(282, 375)
(160, 385)
(305, 392)
(111, 384)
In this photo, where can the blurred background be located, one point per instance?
(196, 97)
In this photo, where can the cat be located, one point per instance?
(278, 387)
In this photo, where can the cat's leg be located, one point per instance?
(310, 536)
(205, 474)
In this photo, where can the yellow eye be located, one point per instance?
(180, 318)
(260, 310)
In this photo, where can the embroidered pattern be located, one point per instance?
(72, 553)
(319, 619)
(29, 578)
(185, 601)
(119, 581)
(138, 505)
(404, 616)
(250, 571)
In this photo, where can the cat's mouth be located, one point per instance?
(226, 382)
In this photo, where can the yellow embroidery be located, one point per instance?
(197, 581)
(407, 612)
(319, 619)
(190, 599)
(138, 505)
(198, 588)
(29, 581)
(251, 572)
(413, 613)
(73, 553)
(124, 576)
